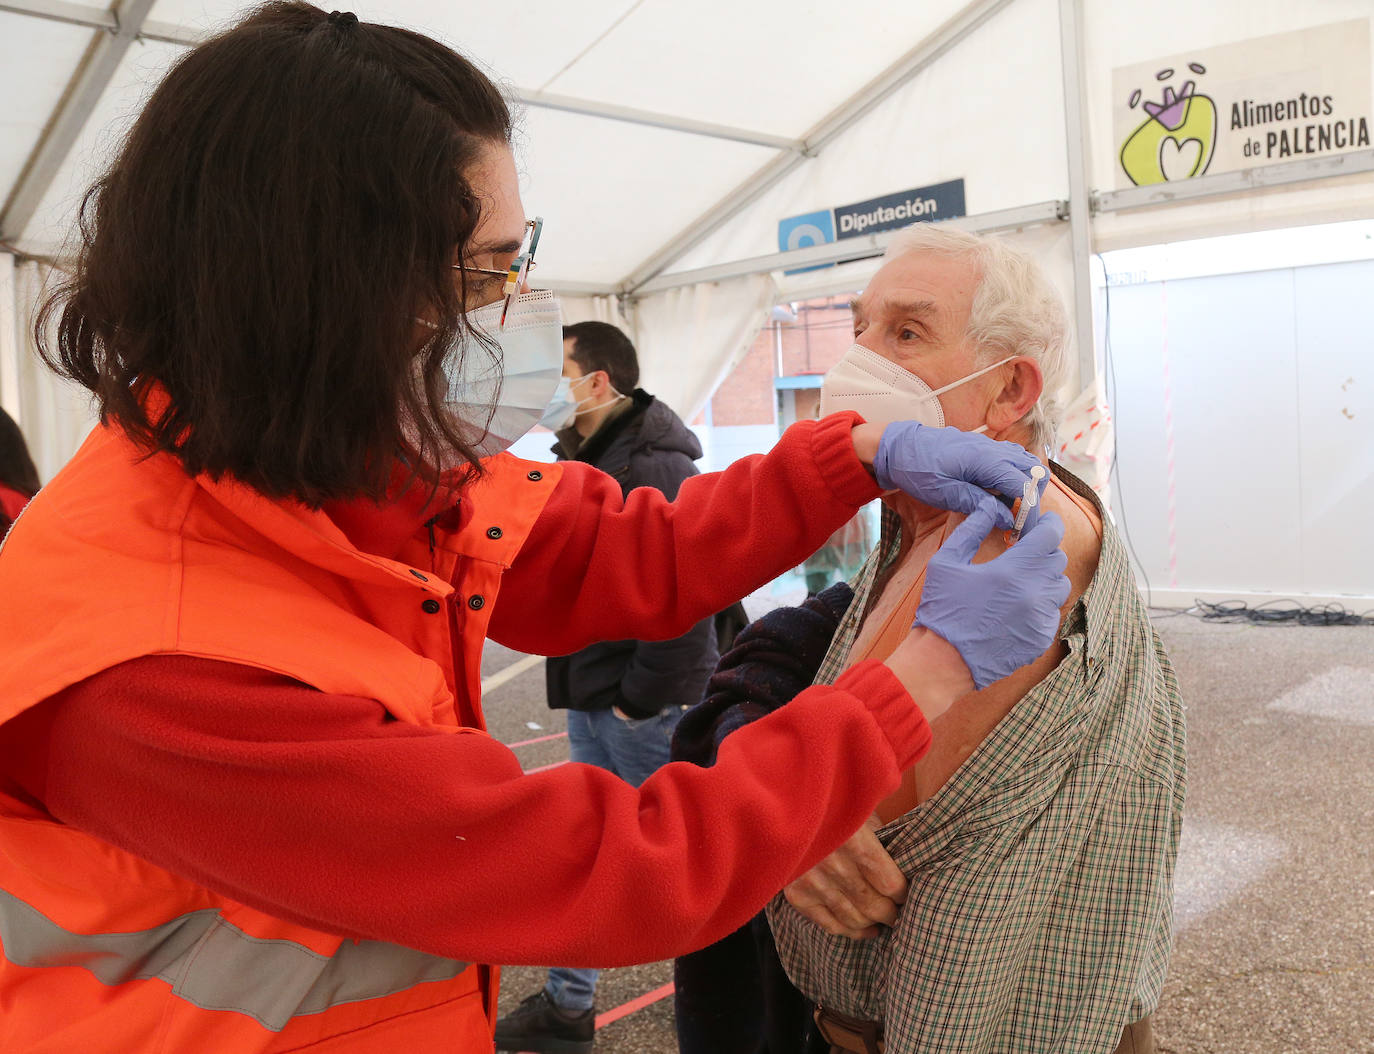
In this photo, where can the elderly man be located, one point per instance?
(1015, 895)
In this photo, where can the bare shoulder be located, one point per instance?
(1082, 540)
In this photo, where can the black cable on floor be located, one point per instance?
(1274, 613)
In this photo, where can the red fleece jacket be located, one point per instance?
(12, 502)
(323, 810)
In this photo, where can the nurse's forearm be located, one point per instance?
(931, 670)
(597, 566)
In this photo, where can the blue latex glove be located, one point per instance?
(950, 469)
(1003, 614)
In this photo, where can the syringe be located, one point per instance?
(1030, 498)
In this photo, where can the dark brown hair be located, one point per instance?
(17, 470)
(602, 346)
(291, 197)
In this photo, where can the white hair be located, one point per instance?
(1016, 311)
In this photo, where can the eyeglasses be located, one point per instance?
(520, 267)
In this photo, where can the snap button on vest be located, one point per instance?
(417, 574)
(430, 606)
(493, 533)
(536, 475)
(476, 601)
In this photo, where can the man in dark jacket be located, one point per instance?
(624, 698)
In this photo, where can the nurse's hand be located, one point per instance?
(1003, 614)
(950, 469)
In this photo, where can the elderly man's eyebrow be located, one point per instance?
(919, 309)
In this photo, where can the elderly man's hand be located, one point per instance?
(854, 889)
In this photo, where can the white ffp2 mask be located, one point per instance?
(882, 392)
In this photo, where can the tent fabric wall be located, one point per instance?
(996, 124)
(999, 126)
(55, 415)
(691, 338)
(10, 341)
(596, 309)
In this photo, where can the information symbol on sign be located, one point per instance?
(804, 235)
(801, 232)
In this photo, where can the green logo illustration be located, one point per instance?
(1177, 139)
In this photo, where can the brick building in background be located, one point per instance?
(777, 381)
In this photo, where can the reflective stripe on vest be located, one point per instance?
(271, 981)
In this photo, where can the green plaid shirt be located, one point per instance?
(1040, 906)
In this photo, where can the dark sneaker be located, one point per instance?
(539, 1026)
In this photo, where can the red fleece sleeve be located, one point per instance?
(599, 567)
(319, 809)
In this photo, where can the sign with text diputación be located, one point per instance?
(942, 201)
(1256, 102)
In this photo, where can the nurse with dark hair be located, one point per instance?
(247, 801)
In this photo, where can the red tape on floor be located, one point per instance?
(545, 768)
(539, 739)
(625, 1009)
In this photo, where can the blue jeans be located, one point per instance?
(633, 750)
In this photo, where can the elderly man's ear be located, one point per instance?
(1022, 383)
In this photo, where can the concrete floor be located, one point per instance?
(1275, 885)
(1275, 882)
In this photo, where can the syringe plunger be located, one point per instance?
(1030, 498)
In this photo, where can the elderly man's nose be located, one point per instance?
(867, 339)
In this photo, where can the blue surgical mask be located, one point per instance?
(562, 409)
(501, 400)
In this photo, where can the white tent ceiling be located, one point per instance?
(613, 192)
(663, 141)
(779, 106)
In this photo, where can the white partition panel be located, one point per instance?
(1245, 447)
(1336, 419)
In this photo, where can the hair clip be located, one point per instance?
(343, 19)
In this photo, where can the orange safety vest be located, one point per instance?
(120, 557)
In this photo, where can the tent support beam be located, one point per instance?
(62, 11)
(862, 248)
(1285, 172)
(611, 112)
(1080, 215)
(821, 135)
(168, 32)
(92, 77)
(98, 18)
